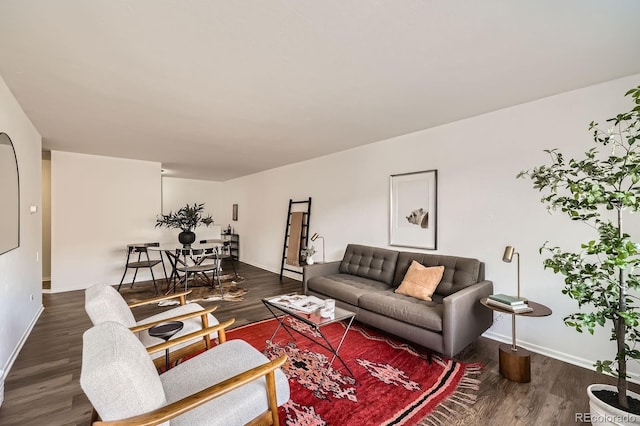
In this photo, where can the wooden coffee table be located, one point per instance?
(316, 322)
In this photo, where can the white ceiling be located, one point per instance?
(220, 89)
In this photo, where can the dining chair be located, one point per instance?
(224, 253)
(103, 303)
(132, 262)
(230, 384)
(197, 264)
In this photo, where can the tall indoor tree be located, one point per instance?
(603, 275)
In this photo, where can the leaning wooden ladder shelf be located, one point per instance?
(296, 235)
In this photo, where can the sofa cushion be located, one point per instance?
(459, 272)
(421, 281)
(404, 308)
(345, 287)
(370, 262)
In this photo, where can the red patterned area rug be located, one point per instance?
(394, 384)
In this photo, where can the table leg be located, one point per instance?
(280, 323)
(514, 362)
(335, 351)
(327, 345)
(515, 365)
(174, 271)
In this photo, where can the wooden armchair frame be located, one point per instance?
(166, 413)
(204, 344)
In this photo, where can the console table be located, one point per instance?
(515, 362)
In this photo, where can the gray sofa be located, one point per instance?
(365, 280)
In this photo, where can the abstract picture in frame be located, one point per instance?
(234, 212)
(413, 199)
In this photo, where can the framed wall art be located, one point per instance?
(234, 212)
(413, 201)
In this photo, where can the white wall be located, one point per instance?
(177, 193)
(482, 207)
(20, 271)
(99, 205)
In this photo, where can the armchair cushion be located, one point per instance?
(121, 381)
(213, 366)
(190, 325)
(104, 303)
(117, 374)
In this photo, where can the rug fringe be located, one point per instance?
(458, 402)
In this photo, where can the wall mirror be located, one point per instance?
(9, 196)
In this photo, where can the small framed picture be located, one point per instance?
(413, 217)
(234, 213)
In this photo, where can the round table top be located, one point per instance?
(175, 247)
(539, 310)
(165, 330)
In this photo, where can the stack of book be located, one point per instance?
(514, 304)
(306, 304)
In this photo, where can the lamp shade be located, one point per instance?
(508, 254)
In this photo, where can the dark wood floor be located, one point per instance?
(43, 386)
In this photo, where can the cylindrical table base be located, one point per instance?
(515, 365)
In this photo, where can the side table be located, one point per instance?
(515, 362)
(165, 331)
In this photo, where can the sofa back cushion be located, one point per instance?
(370, 262)
(459, 272)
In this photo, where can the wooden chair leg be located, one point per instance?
(271, 397)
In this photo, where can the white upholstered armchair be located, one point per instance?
(103, 303)
(230, 384)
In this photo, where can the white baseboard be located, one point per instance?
(571, 359)
(4, 372)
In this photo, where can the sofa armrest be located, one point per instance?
(464, 318)
(318, 270)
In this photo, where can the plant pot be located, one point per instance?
(604, 414)
(309, 260)
(186, 238)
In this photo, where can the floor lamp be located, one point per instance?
(314, 237)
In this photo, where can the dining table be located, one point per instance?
(182, 257)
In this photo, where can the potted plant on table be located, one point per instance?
(604, 275)
(308, 253)
(186, 219)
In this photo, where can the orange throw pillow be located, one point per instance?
(421, 281)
